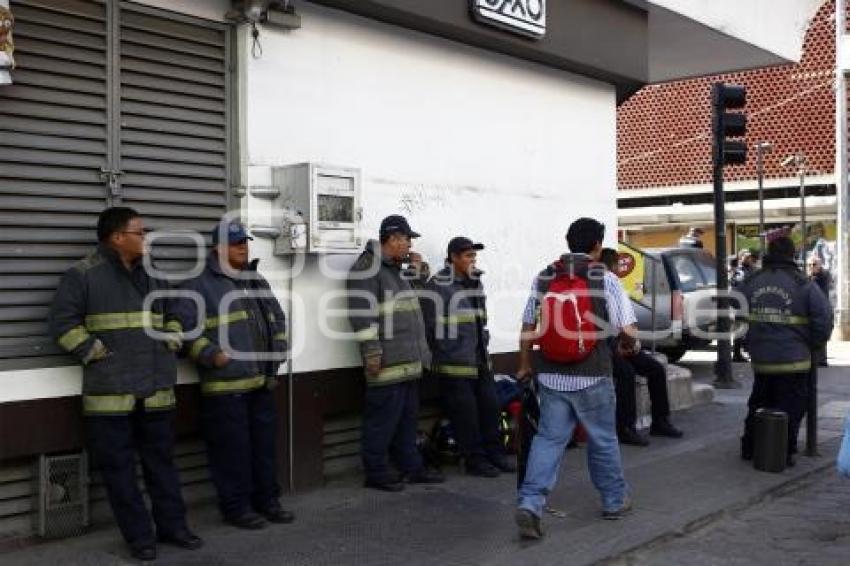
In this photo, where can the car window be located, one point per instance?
(709, 268)
(690, 277)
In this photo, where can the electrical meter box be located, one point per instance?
(318, 209)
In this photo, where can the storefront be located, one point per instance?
(437, 110)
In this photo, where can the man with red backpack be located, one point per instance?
(574, 306)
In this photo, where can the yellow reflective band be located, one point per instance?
(464, 317)
(108, 404)
(280, 336)
(398, 372)
(784, 367)
(73, 338)
(173, 326)
(235, 316)
(408, 304)
(122, 320)
(787, 319)
(457, 371)
(369, 333)
(198, 347)
(161, 400)
(233, 385)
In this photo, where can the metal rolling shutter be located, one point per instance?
(152, 103)
(174, 124)
(53, 143)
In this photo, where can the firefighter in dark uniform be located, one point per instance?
(129, 371)
(789, 317)
(386, 317)
(456, 319)
(238, 355)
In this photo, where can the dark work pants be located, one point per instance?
(390, 416)
(113, 442)
(787, 392)
(241, 436)
(625, 372)
(473, 408)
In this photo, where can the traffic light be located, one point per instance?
(725, 97)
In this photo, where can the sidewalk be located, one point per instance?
(678, 485)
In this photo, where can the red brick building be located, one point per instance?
(664, 148)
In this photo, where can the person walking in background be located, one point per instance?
(823, 279)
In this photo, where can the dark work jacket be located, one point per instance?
(788, 316)
(455, 313)
(100, 302)
(599, 362)
(386, 316)
(252, 325)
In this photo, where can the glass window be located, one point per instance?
(688, 273)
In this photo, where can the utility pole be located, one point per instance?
(761, 149)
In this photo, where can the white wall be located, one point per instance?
(459, 140)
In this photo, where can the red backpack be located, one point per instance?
(568, 334)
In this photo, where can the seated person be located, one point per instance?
(625, 371)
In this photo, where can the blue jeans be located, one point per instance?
(560, 411)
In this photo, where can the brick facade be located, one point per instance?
(664, 130)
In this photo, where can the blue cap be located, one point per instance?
(236, 232)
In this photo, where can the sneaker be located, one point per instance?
(529, 525)
(663, 427)
(425, 475)
(481, 468)
(618, 514)
(632, 437)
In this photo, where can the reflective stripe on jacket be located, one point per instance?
(98, 316)
(788, 316)
(241, 316)
(455, 315)
(386, 317)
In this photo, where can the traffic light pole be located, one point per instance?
(723, 366)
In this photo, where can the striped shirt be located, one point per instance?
(620, 315)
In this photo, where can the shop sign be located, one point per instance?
(526, 17)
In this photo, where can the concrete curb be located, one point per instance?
(782, 489)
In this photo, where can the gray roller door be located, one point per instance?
(150, 102)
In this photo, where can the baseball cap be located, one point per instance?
(397, 224)
(235, 231)
(460, 244)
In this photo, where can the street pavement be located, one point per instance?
(688, 494)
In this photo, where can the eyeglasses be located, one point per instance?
(137, 233)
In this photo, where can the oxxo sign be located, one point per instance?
(526, 17)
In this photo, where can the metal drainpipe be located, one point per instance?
(290, 393)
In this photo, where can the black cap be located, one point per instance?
(397, 224)
(460, 244)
